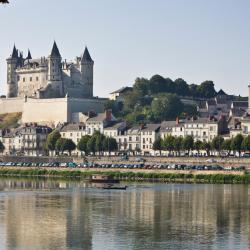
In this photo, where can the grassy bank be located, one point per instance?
(132, 176)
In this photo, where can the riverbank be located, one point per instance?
(179, 176)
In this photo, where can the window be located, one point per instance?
(130, 138)
(24, 79)
(30, 79)
(37, 78)
(71, 134)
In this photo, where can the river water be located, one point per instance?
(59, 214)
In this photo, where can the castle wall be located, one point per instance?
(49, 111)
(11, 105)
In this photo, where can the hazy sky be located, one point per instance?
(196, 40)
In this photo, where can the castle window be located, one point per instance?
(24, 79)
(18, 78)
(37, 78)
(30, 79)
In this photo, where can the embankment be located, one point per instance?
(134, 174)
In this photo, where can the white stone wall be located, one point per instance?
(11, 105)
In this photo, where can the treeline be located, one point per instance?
(158, 98)
(176, 145)
(87, 144)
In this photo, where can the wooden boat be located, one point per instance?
(115, 187)
(99, 178)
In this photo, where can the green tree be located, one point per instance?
(246, 143)
(166, 107)
(60, 145)
(110, 144)
(157, 145)
(217, 143)
(181, 87)
(188, 143)
(1, 147)
(168, 143)
(207, 147)
(157, 84)
(82, 144)
(178, 142)
(198, 146)
(236, 143)
(91, 145)
(52, 139)
(226, 145)
(206, 89)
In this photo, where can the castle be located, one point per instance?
(48, 90)
(49, 77)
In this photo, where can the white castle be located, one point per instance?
(48, 90)
(49, 77)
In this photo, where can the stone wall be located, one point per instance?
(11, 105)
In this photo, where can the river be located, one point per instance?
(60, 214)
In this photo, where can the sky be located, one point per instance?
(196, 40)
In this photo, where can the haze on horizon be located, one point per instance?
(194, 40)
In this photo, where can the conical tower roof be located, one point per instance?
(55, 51)
(29, 55)
(14, 52)
(86, 56)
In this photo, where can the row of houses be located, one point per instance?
(30, 139)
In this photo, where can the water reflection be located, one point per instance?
(57, 214)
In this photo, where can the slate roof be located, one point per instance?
(237, 104)
(55, 51)
(86, 56)
(151, 127)
(122, 90)
(73, 127)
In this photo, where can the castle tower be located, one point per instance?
(55, 71)
(12, 63)
(87, 73)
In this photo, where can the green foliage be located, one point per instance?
(91, 144)
(226, 145)
(246, 143)
(82, 144)
(207, 147)
(198, 145)
(236, 143)
(157, 145)
(166, 107)
(168, 143)
(110, 144)
(188, 143)
(217, 143)
(206, 89)
(52, 139)
(10, 120)
(178, 142)
(63, 144)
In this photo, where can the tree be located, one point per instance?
(246, 143)
(168, 143)
(217, 143)
(226, 145)
(157, 145)
(60, 145)
(141, 86)
(166, 107)
(198, 146)
(181, 87)
(82, 144)
(1, 147)
(188, 143)
(207, 147)
(178, 144)
(52, 139)
(236, 143)
(206, 89)
(91, 145)
(157, 84)
(110, 144)
(99, 142)
(68, 145)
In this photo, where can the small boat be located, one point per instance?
(99, 178)
(115, 187)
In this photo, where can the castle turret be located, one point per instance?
(12, 63)
(29, 57)
(87, 65)
(55, 70)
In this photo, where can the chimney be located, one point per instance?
(108, 114)
(91, 114)
(177, 120)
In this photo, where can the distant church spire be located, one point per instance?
(55, 51)
(14, 52)
(86, 56)
(29, 55)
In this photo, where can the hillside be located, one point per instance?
(9, 120)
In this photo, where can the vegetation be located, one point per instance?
(132, 176)
(158, 98)
(10, 120)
